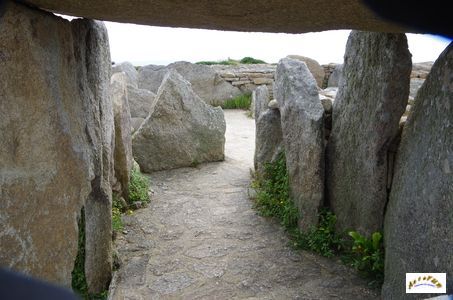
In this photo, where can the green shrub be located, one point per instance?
(367, 254)
(138, 187)
(321, 239)
(239, 102)
(251, 60)
(272, 198)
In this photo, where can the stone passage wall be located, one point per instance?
(248, 77)
(56, 123)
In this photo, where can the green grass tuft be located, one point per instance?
(138, 187)
(239, 102)
(117, 209)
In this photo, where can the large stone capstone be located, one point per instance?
(180, 131)
(206, 83)
(419, 221)
(264, 16)
(303, 137)
(56, 133)
(372, 97)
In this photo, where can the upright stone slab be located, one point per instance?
(303, 137)
(123, 138)
(419, 218)
(269, 140)
(130, 72)
(54, 124)
(372, 97)
(181, 131)
(261, 100)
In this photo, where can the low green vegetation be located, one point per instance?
(138, 187)
(229, 61)
(239, 102)
(117, 209)
(273, 200)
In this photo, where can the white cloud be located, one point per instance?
(160, 45)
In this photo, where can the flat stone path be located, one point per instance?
(200, 238)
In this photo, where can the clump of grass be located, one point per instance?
(229, 61)
(138, 187)
(239, 102)
(273, 200)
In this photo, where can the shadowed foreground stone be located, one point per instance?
(372, 97)
(267, 15)
(303, 137)
(419, 221)
(181, 129)
(56, 129)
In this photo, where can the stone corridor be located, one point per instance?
(200, 238)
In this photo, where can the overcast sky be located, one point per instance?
(143, 45)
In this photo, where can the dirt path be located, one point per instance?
(200, 238)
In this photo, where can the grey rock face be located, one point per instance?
(315, 68)
(140, 101)
(123, 138)
(92, 44)
(302, 126)
(56, 133)
(129, 70)
(260, 100)
(334, 78)
(206, 83)
(371, 99)
(415, 85)
(136, 123)
(269, 139)
(419, 222)
(181, 131)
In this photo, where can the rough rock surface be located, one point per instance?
(334, 78)
(56, 129)
(181, 131)
(200, 238)
(269, 139)
(140, 102)
(315, 68)
(123, 138)
(260, 100)
(303, 137)
(268, 16)
(371, 99)
(418, 222)
(129, 70)
(415, 85)
(206, 83)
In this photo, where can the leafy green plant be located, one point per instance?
(368, 254)
(239, 102)
(321, 239)
(138, 187)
